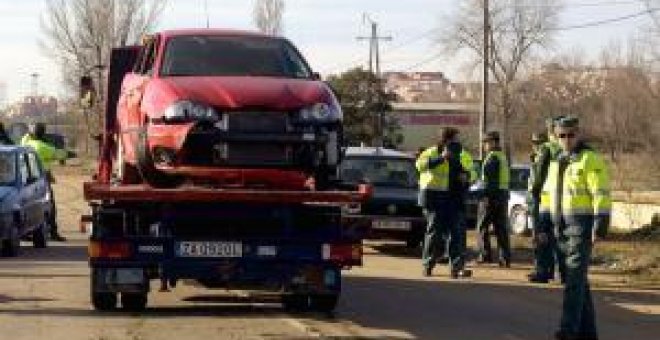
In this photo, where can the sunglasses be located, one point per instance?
(566, 135)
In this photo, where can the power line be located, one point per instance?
(606, 21)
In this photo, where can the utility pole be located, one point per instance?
(374, 68)
(484, 85)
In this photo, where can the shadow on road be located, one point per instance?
(430, 309)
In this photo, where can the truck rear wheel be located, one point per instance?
(104, 301)
(134, 302)
(324, 303)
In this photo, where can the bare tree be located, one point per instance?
(517, 29)
(268, 16)
(79, 34)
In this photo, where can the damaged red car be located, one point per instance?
(225, 108)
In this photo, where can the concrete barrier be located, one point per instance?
(633, 210)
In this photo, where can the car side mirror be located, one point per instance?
(316, 76)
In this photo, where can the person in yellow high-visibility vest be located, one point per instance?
(576, 200)
(47, 154)
(494, 204)
(442, 182)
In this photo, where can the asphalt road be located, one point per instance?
(45, 294)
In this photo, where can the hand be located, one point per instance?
(446, 153)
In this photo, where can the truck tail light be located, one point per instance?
(346, 254)
(109, 250)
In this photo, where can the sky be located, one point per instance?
(324, 30)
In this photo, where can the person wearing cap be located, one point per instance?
(47, 154)
(545, 148)
(494, 204)
(576, 199)
(442, 181)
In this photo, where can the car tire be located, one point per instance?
(40, 234)
(518, 221)
(147, 170)
(323, 303)
(104, 301)
(134, 302)
(124, 172)
(414, 239)
(11, 247)
(295, 302)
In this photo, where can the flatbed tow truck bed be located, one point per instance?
(293, 243)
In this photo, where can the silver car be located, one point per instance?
(519, 218)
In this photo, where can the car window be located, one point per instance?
(232, 56)
(7, 168)
(24, 169)
(35, 166)
(382, 171)
(519, 178)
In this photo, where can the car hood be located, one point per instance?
(393, 194)
(235, 93)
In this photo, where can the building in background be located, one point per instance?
(421, 122)
(34, 107)
(429, 87)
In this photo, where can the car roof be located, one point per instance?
(367, 151)
(13, 148)
(212, 31)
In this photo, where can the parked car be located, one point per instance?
(519, 219)
(225, 107)
(25, 200)
(392, 212)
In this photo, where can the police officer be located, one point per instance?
(576, 199)
(442, 181)
(47, 154)
(545, 148)
(494, 204)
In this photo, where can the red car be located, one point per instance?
(225, 108)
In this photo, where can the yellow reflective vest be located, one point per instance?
(437, 178)
(503, 171)
(577, 189)
(47, 153)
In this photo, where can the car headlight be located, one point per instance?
(186, 111)
(320, 113)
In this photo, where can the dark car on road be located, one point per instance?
(25, 200)
(392, 212)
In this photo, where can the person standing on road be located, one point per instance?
(545, 148)
(47, 154)
(576, 199)
(494, 204)
(442, 180)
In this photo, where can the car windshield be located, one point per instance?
(7, 168)
(381, 171)
(232, 56)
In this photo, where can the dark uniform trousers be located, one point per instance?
(493, 211)
(545, 254)
(575, 245)
(53, 210)
(444, 227)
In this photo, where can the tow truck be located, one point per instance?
(290, 241)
